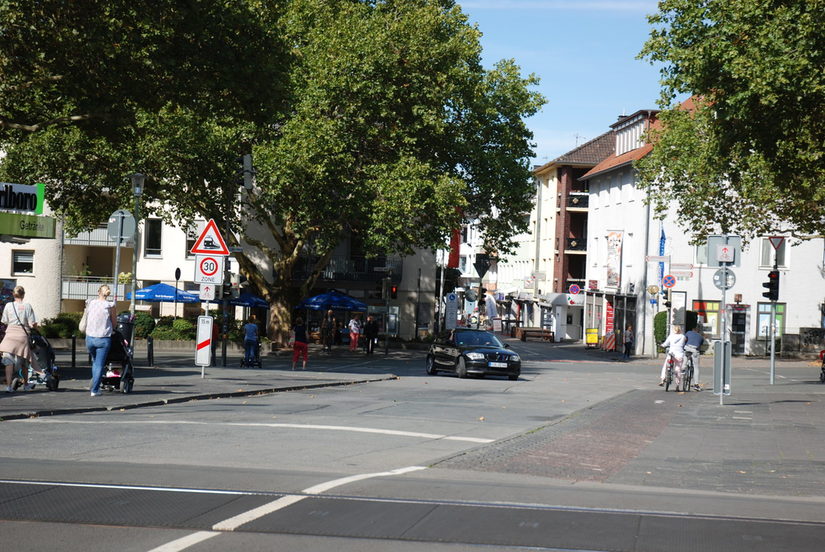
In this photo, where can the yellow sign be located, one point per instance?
(591, 336)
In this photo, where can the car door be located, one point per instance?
(441, 349)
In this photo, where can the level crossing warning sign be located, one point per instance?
(210, 242)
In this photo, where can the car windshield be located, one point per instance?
(476, 338)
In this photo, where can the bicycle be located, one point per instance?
(687, 371)
(671, 361)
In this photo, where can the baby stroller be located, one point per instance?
(48, 376)
(119, 372)
(256, 359)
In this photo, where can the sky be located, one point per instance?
(584, 52)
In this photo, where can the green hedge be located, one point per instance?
(64, 325)
(660, 329)
(144, 324)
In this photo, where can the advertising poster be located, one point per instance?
(614, 259)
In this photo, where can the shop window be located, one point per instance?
(764, 319)
(22, 262)
(708, 312)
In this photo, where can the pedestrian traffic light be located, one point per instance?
(773, 286)
(394, 292)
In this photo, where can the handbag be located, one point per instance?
(29, 335)
(82, 325)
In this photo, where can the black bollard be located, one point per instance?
(150, 351)
(74, 350)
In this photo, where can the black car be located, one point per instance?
(477, 352)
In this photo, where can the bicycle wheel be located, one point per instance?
(687, 376)
(668, 376)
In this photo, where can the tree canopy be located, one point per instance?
(747, 153)
(367, 120)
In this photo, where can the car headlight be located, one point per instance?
(515, 358)
(475, 356)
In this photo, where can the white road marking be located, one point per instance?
(354, 429)
(185, 542)
(741, 418)
(234, 522)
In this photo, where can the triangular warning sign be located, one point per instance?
(776, 241)
(210, 242)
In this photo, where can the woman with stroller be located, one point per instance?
(19, 320)
(250, 341)
(100, 323)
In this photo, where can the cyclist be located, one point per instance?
(693, 345)
(676, 343)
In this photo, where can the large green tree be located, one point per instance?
(747, 153)
(384, 128)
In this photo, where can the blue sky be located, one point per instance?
(583, 51)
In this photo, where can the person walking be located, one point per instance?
(300, 343)
(250, 341)
(371, 333)
(629, 341)
(100, 323)
(328, 330)
(693, 345)
(19, 319)
(354, 331)
(676, 344)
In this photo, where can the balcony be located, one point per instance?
(352, 269)
(576, 246)
(85, 287)
(577, 202)
(98, 237)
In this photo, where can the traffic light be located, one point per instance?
(394, 292)
(773, 286)
(668, 303)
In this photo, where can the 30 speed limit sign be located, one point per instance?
(208, 269)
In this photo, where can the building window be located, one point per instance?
(769, 254)
(152, 237)
(764, 319)
(708, 312)
(22, 262)
(193, 231)
(462, 264)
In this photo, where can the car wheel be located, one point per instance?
(513, 377)
(431, 366)
(461, 368)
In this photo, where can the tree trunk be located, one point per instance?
(280, 321)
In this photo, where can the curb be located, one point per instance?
(188, 398)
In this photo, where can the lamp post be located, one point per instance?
(137, 191)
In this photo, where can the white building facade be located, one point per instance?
(629, 253)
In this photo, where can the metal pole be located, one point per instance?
(387, 323)
(724, 336)
(117, 254)
(134, 262)
(773, 332)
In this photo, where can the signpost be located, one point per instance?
(121, 228)
(203, 343)
(776, 242)
(210, 251)
(723, 251)
(451, 311)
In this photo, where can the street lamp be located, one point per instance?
(137, 191)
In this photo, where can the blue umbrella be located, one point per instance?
(164, 293)
(248, 300)
(334, 300)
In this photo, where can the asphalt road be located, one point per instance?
(581, 453)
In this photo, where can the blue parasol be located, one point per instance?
(334, 300)
(164, 293)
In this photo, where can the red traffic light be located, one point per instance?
(772, 285)
(394, 292)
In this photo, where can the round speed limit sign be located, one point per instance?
(208, 269)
